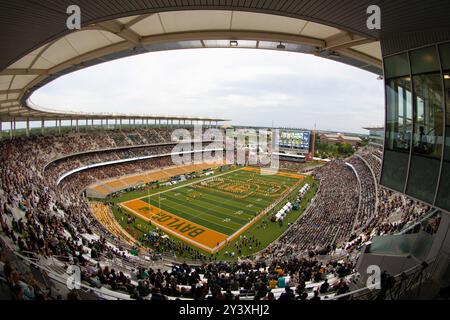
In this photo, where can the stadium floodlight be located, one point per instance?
(281, 46)
(234, 43)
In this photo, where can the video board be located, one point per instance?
(294, 139)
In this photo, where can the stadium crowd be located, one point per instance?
(373, 161)
(333, 220)
(57, 168)
(368, 196)
(301, 279)
(36, 215)
(79, 181)
(329, 217)
(41, 219)
(394, 212)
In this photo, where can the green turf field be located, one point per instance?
(224, 203)
(263, 231)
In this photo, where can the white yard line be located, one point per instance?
(208, 211)
(256, 218)
(184, 185)
(235, 234)
(177, 206)
(178, 235)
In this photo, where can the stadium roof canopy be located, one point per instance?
(37, 47)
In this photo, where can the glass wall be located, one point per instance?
(398, 132)
(415, 124)
(443, 197)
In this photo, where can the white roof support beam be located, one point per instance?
(28, 73)
(8, 101)
(204, 35)
(121, 31)
(23, 72)
(232, 34)
(136, 20)
(344, 40)
(12, 91)
(81, 58)
(361, 57)
(15, 109)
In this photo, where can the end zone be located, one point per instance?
(193, 233)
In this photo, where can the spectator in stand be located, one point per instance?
(287, 295)
(324, 286)
(53, 218)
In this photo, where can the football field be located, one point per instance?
(211, 212)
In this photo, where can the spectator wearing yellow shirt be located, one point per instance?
(279, 270)
(273, 283)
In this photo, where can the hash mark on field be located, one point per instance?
(198, 216)
(177, 194)
(240, 212)
(210, 209)
(209, 212)
(184, 185)
(249, 205)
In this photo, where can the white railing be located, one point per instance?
(107, 163)
(401, 284)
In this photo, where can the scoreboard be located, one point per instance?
(292, 139)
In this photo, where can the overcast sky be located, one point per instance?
(251, 87)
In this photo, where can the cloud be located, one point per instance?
(251, 87)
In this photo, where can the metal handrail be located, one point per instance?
(148, 145)
(426, 216)
(60, 279)
(410, 274)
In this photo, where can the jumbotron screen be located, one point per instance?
(294, 139)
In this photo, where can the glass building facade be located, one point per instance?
(417, 138)
(376, 135)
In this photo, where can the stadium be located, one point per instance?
(120, 206)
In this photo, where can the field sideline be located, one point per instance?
(212, 212)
